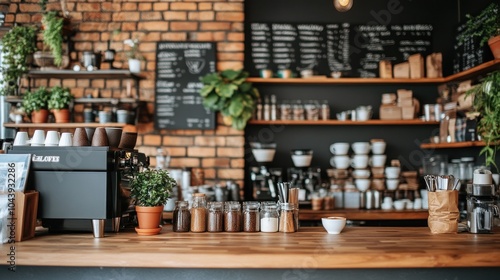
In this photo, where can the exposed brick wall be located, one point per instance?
(219, 152)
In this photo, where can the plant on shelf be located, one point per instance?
(53, 36)
(18, 45)
(486, 101)
(133, 55)
(229, 93)
(486, 27)
(59, 101)
(34, 104)
(151, 189)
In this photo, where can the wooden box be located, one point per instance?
(385, 69)
(390, 112)
(25, 214)
(402, 70)
(416, 66)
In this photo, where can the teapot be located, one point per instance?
(363, 113)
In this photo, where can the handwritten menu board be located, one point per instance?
(354, 50)
(469, 53)
(179, 66)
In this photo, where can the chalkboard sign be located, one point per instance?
(469, 53)
(179, 66)
(354, 50)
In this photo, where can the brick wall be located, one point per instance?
(219, 152)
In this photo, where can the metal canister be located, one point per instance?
(368, 199)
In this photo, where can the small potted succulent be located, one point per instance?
(35, 104)
(229, 92)
(59, 102)
(151, 189)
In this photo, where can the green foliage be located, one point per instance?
(60, 98)
(36, 100)
(487, 103)
(52, 35)
(18, 44)
(483, 26)
(152, 187)
(229, 93)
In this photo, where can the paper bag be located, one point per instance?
(443, 211)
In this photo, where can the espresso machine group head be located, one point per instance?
(263, 178)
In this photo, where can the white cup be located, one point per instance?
(38, 138)
(340, 162)
(388, 200)
(386, 206)
(392, 184)
(425, 198)
(52, 138)
(417, 203)
(361, 148)
(66, 139)
(378, 160)
(399, 204)
(359, 161)
(340, 148)
(392, 172)
(362, 184)
(361, 173)
(21, 139)
(378, 147)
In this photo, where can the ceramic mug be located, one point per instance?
(378, 160)
(340, 148)
(285, 73)
(52, 138)
(21, 139)
(362, 184)
(378, 147)
(361, 173)
(38, 138)
(66, 140)
(359, 161)
(392, 184)
(361, 148)
(340, 162)
(392, 172)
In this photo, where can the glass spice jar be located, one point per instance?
(199, 213)
(287, 221)
(269, 217)
(232, 216)
(215, 221)
(251, 216)
(181, 219)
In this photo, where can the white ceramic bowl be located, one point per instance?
(333, 225)
(399, 204)
(263, 155)
(302, 160)
(362, 184)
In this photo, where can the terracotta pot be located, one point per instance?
(40, 116)
(495, 46)
(149, 217)
(62, 115)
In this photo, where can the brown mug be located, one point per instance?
(114, 135)
(100, 137)
(80, 137)
(128, 140)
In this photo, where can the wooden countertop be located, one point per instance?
(355, 247)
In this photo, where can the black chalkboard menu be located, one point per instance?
(354, 50)
(468, 52)
(179, 66)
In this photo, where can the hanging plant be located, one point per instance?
(53, 36)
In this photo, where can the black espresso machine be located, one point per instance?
(82, 188)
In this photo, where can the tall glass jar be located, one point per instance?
(269, 217)
(287, 221)
(199, 213)
(215, 217)
(251, 216)
(181, 220)
(232, 216)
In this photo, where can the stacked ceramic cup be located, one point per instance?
(377, 163)
(340, 162)
(359, 162)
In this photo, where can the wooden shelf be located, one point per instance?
(61, 125)
(482, 68)
(455, 145)
(104, 100)
(337, 122)
(70, 74)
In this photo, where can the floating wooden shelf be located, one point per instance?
(454, 145)
(61, 125)
(481, 68)
(337, 122)
(97, 74)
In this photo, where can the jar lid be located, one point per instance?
(198, 194)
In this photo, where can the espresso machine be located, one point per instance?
(264, 179)
(302, 175)
(82, 188)
(481, 202)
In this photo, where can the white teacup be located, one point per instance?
(361, 173)
(340, 162)
(38, 138)
(21, 139)
(361, 148)
(392, 172)
(378, 160)
(66, 139)
(334, 225)
(52, 138)
(392, 184)
(378, 147)
(340, 148)
(359, 161)
(362, 184)
(399, 204)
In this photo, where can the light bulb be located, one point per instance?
(342, 5)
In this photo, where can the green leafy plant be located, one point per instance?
(18, 45)
(60, 98)
(152, 187)
(36, 100)
(229, 93)
(52, 35)
(484, 26)
(487, 102)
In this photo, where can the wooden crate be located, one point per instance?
(25, 214)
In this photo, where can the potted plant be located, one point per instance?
(151, 189)
(133, 55)
(486, 27)
(52, 27)
(18, 46)
(486, 101)
(34, 104)
(59, 101)
(229, 93)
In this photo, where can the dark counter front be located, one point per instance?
(357, 253)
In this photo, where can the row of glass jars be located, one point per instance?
(230, 217)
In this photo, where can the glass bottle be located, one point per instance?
(232, 216)
(199, 213)
(269, 217)
(215, 217)
(181, 219)
(325, 110)
(287, 221)
(274, 109)
(251, 216)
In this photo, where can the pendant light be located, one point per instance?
(342, 5)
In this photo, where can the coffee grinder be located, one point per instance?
(264, 179)
(481, 202)
(303, 176)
